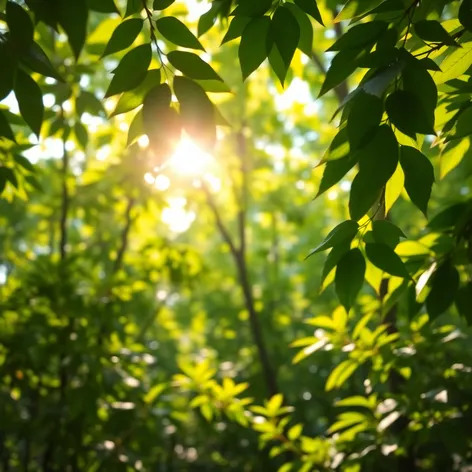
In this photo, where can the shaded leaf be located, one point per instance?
(340, 374)
(334, 171)
(133, 6)
(305, 43)
(344, 232)
(236, 28)
(463, 302)
(360, 36)
(386, 232)
(162, 4)
(253, 49)
(176, 32)
(20, 27)
(310, 7)
(251, 8)
(30, 101)
(286, 33)
(192, 66)
(350, 272)
(432, 30)
(124, 35)
(444, 286)
(5, 129)
(73, 16)
(385, 258)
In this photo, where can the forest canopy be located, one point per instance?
(235, 235)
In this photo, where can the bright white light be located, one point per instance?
(189, 159)
(176, 217)
(162, 182)
(332, 195)
(149, 178)
(143, 141)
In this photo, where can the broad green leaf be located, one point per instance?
(192, 66)
(251, 8)
(334, 171)
(102, 6)
(197, 111)
(406, 112)
(124, 35)
(385, 258)
(208, 19)
(30, 101)
(305, 44)
(340, 374)
(365, 114)
(350, 272)
(253, 49)
(357, 401)
(310, 7)
(463, 126)
(134, 98)
(394, 188)
(20, 27)
(87, 102)
(155, 106)
(23, 162)
(136, 60)
(286, 33)
(359, 36)
(277, 64)
(294, 432)
(419, 176)
(429, 64)
(236, 28)
(162, 4)
(133, 6)
(448, 218)
(432, 30)
(386, 232)
(332, 260)
(342, 233)
(176, 32)
(136, 128)
(81, 134)
(36, 60)
(379, 58)
(457, 62)
(452, 155)
(339, 147)
(154, 392)
(355, 8)
(374, 172)
(73, 17)
(214, 86)
(444, 286)
(7, 77)
(465, 14)
(5, 129)
(462, 302)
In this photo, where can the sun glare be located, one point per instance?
(189, 159)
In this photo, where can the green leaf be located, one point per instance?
(73, 16)
(251, 8)
(374, 172)
(310, 7)
(365, 114)
(429, 64)
(286, 34)
(386, 232)
(176, 32)
(295, 432)
(419, 176)
(406, 112)
(463, 126)
(359, 36)
(253, 49)
(20, 27)
(134, 98)
(444, 286)
(448, 218)
(30, 101)
(157, 101)
(136, 60)
(134, 6)
(342, 233)
(102, 6)
(197, 111)
(7, 77)
(340, 374)
(192, 66)
(162, 4)
(432, 30)
(81, 134)
(462, 301)
(465, 14)
(355, 8)
(333, 258)
(207, 20)
(277, 64)
(236, 28)
(385, 258)
(36, 60)
(456, 63)
(334, 171)
(339, 147)
(5, 130)
(136, 128)
(23, 162)
(87, 102)
(124, 35)
(305, 43)
(349, 278)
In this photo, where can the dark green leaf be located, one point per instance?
(251, 8)
(310, 7)
(162, 4)
(383, 231)
(429, 64)
(36, 60)
(5, 130)
(236, 28)
(102, 6)
(419, 176)
(355, 8)
(10, 176)
(277, 64)
(350, 272)
(192, 66)
(87, 102)
(207, 20)
(73, 16)
(379, 58)
(386, 259)
(7, 76)
(137, 60)
(339, 147)
(23, 162)
(344, 232)
(444, 286)
(432, 30)
(81, 134)
(134, 98)
(463, 126)
(253, 49)
(176, 32)
(123, 36)
(465, 14)
(360, 36)
(20, 27)
(134, 6)
(448, 218)
(334, 171)
(463, 302)
(406, 112)
(365, 114)
(286, 33)
(334, 257)
(197, 111)
(30, 101)
(136, 128)
(378, 161)
(305, 44)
